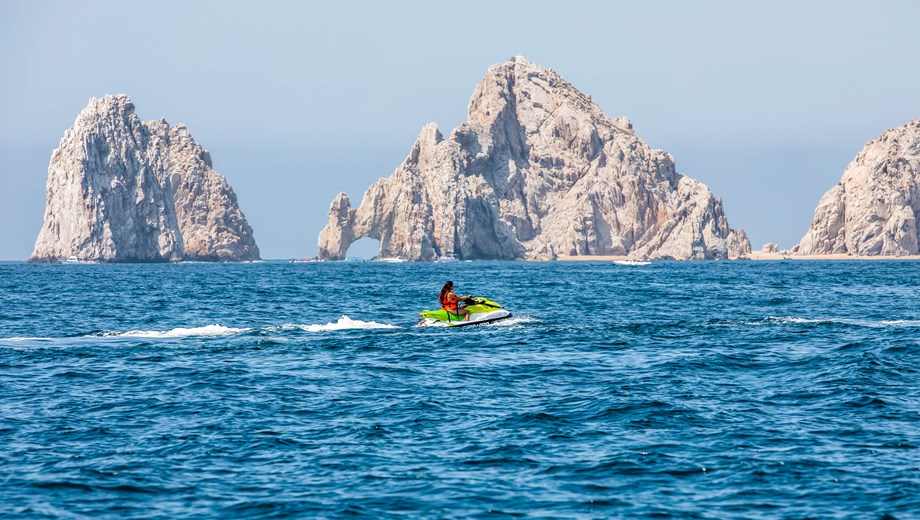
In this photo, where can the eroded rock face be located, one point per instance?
(874, 208)
(125, 190)
(538, 170)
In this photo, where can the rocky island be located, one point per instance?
(873, 210)
(125, 190)
(536, 171)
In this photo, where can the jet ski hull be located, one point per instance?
(482, 310)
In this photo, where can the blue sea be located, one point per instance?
(785, 389)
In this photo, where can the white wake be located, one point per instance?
(207, 331)
(345, 323)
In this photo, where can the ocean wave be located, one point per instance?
(344, 323)
(900, 323)
(789, 319)
(207, 331)
(840, 321)
(215, 331)
(514, 320)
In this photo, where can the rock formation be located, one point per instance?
(125, 190)
(874, 208)
(769, 247)
(537, 170)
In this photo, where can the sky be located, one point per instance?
(765, 102)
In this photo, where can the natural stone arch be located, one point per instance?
(364, 247)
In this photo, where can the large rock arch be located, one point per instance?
(536, 171)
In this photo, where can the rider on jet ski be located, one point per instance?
(452, 303)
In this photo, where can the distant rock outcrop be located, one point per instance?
(874, 208)
(769, 247)
(125, 190)
(538, 170)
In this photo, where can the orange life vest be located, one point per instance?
(449, 304)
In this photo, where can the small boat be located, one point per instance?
(72, 259)
(482, 310)
(393, 260)
(632, 262)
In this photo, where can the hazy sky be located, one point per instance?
(765, 102)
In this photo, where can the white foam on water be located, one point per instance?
(216, 331)
(346, 323)
(287, 327)
(208, 331)
(514, 320)
(900, 323)
(845, 321)
(792, 319)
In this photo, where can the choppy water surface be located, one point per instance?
(701, 389)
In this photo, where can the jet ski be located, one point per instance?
(482, 310)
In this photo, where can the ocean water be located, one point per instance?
(679, 389)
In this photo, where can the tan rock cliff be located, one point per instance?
(874, 208)
(537, 170)
(125, 190)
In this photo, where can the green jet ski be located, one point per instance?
(482, 310)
